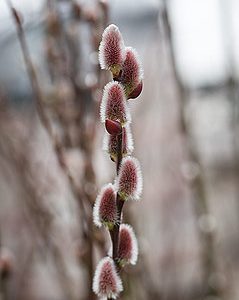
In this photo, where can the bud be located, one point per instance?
(110, 143)
(132, 73)
(106, 282)
(129, 181)
(113, 105)
(137, 91)
(128, 245)
(104, 210)
(112, 50)
(113, 127)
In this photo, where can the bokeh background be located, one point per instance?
(185, 129)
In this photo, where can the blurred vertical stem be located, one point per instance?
(83, 198)
(231, 84)
(197, 183)
(30, 69)
(86, 130)
(43, 116)
(39, 102)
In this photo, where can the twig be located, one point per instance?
(39, 103)
(114, 233)
(116, 118)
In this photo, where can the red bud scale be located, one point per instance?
(113, 127)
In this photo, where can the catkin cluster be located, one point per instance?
(124, 64)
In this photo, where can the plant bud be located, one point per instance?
(112, 50)
(113, 127)
(106, 282)
(132, 73)
(128, 246)
(105, 211)
(113, 105)
(137, 91)
(110, 143)
(129, 181)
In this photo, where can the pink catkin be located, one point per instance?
(129, 181)
(113, 104)
(132, 73)
(111, 49)
(128, 246)
(104, 211)
(107, 283)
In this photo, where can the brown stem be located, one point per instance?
(119, 151)
(114, 233)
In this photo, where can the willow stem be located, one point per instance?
(114, 233)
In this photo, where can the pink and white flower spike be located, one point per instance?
(129, 182)
(106, 282)
(132, 73)
(112, 50)
(128, 245)
(104, 210)
(113, 105)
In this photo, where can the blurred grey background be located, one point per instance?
(185, 128)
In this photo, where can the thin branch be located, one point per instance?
(114, 233)
(41, 112)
